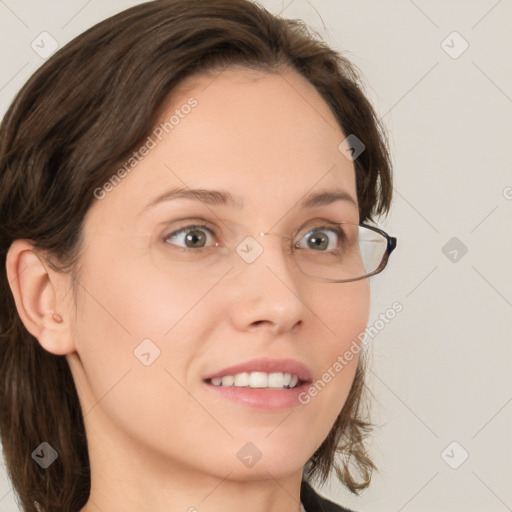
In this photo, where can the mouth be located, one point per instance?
(258, 380)
(262, 383)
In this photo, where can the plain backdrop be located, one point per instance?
(440, 76)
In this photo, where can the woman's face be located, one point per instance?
(154, 320)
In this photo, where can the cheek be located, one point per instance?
(130, 314)
(125, 303)
(343, 309)
(132, 299)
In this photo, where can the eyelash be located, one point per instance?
(185, 230)
(212, 232)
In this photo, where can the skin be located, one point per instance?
(158, 439)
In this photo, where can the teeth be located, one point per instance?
(257, 380)
(241, 379)
(228, 380)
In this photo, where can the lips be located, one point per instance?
(268, 366)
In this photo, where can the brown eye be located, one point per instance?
(320, 239)
(191, 237)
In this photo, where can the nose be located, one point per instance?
(269, 292)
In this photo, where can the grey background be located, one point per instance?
(441, 368)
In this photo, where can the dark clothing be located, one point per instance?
(313, 502)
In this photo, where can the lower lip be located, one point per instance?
(262, 398)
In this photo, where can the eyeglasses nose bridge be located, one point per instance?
(285, 239)
(286, 244)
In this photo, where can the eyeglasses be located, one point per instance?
(323, 251)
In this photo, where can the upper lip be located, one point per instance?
(267, 365)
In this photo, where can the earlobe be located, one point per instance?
(36, 294)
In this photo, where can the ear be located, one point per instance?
(39, 295)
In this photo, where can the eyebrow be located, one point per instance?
(209, 197)
(225, 198)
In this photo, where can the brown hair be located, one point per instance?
(81, 113)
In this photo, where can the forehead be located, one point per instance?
(269, 138)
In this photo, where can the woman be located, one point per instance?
(185, 191)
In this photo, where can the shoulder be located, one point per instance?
(313, 502)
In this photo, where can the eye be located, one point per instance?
(321, 239)
(191, 237)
